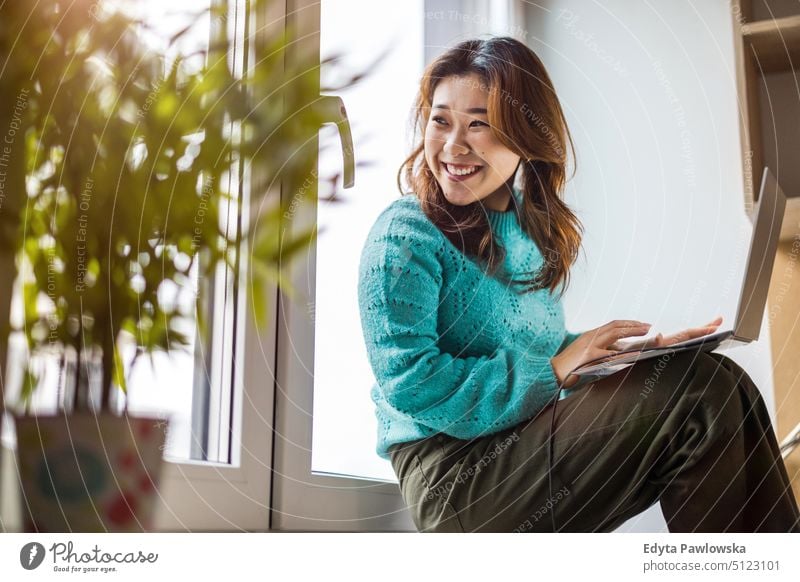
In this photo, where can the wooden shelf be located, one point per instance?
(791, 219)
(774, 43)
(764, 46)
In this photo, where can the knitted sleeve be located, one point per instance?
(400, 277)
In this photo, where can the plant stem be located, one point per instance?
(77, 387)
(108, 371)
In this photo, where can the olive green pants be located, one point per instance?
(687, 429)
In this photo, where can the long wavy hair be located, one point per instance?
(525, 116)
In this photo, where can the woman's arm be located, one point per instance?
(399, 287)
(570, 337)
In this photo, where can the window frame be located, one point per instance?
(302, 500)
(199, 495)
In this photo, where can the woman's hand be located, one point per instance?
(662, 340)
(604, 341)
(594, 344)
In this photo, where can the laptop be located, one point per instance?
(767, 222)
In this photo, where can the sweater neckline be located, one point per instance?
(505, 222)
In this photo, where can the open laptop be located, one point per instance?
(767, 223)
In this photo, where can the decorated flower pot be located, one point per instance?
(87, 472)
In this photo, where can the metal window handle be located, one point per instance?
(332, 110)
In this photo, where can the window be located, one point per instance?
(379, 107)
(328, 475)
(344, 427)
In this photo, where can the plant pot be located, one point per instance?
(87, 472)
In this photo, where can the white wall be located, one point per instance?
(650, 97)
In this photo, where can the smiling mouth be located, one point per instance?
(461, 171)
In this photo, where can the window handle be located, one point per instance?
(331, 109)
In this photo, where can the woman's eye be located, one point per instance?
(437, 119)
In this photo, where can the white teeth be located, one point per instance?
(461, 172)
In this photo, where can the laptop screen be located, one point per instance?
(767, 222)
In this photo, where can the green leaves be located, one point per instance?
(131, 171)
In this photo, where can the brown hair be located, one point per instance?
(526, 117)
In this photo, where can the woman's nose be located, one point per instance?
(453, 145)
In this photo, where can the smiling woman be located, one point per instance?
(460, 113)
(465, 363)
(474, 109)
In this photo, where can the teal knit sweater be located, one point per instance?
(453, 350)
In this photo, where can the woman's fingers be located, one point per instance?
(618, 329)
(655, 341)
(607, 336)
(690, 334)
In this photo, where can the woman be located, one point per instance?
(467, 342)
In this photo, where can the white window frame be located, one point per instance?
(302, 500)
(208, 496)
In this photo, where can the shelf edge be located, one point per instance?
(791, 219)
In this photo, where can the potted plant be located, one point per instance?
(125, 159)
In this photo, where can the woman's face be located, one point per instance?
(458, 139)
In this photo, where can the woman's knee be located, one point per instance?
(678, 369)
(739, 375)
(719, 381)
(690, 373)
(731, 366)
(661, 382)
